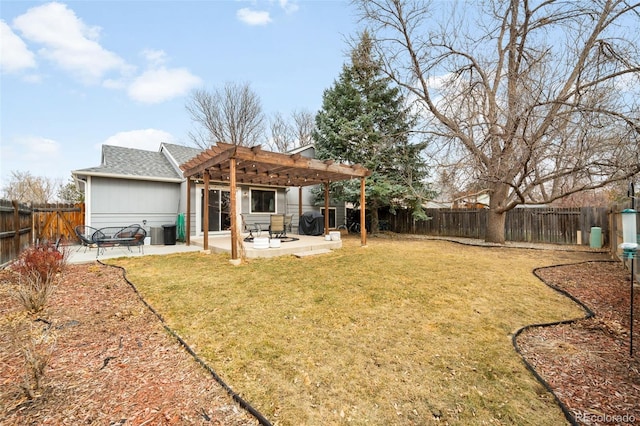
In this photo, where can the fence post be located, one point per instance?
(16, 225)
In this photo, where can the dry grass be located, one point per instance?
(399, 332)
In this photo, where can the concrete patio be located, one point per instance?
(304, 245)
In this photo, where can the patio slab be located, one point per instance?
(305, 243)
(217, 244)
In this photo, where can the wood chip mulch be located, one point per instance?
(111, 362)
(587, 363)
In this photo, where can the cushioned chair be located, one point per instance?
(134, 231)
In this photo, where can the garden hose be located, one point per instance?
(237, 398)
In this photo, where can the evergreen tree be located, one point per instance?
(69, 193)
(364, 120)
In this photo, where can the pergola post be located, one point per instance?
(363, 227)
(299, 202)
(232, 190)
(188, 219)
(205, 214)
(326, 208)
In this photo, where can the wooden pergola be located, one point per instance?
(243, 165)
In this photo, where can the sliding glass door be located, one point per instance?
(219, 210)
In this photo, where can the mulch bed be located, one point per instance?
(587, 363)
(112, 362)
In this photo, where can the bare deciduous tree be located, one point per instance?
(537, 99)
(304, 123)
(232, 114)
(28, 189)
(287, 135)
(282, 136)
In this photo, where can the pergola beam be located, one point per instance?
(237, 164)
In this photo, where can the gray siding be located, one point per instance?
(307, 206)
(119, 202)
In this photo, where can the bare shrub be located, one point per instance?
(37, 270)
(36, 345)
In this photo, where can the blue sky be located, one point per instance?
(78, 74)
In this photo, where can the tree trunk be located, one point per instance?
(495, 227)
(374, 220)
(496, 215)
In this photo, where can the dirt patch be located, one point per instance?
(587, 363)
(111, 361)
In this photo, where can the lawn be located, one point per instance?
(399, 332)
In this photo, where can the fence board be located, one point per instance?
(21, 225)
(53, 221)
(15, 230)
(537, 225)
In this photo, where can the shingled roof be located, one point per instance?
(131, 163)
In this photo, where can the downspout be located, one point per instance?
(87, 198)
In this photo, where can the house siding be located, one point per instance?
(120, 202)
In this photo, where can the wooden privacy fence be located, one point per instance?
(22, 225)
(53, 221)
(536, 225)
(15, 229)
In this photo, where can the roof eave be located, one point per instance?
(131, 177)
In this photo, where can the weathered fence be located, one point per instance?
(536, 225)
(53, 221)
(22, 225)
(15, 229)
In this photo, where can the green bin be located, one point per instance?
(595, 239)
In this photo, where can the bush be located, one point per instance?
(37, 268)
(36, 344)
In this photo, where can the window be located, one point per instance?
(332, 216)
(263, 201)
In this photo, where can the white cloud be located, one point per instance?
(38, 148)
(148, 139)
(158, 85)
(68, 42)
(155, 58)
(36, 154)
(289, 6)
(15, 56)
(253, 17)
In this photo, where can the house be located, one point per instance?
(149, 188)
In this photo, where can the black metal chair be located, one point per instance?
(84, 234)
(134, 231)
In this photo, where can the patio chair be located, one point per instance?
(250, 228)
(134, 231)
(84, 234)
(288, 223)
(277, 227)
